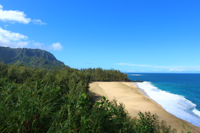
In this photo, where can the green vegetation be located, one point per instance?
(29, 58)
(105, 75)
(58, 101)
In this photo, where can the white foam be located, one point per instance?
(172, 103)
(195, 111)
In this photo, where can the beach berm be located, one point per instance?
(135, 100)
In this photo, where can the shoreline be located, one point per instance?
(135, 99)
(142, 90)
(170, 102)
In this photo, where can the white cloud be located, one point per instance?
(13, 16)
(16, 40)
(56, 46)
(180, 70)
(16, 16)
(176, 69)
(127, 64)
(10, 36)
(37, 21)
(14, 44)
(11, 39)
(130, 71)
(165, 68)
(168, 67)
(156, 70)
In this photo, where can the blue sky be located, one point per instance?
(127, 35)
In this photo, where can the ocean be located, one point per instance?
(177, 93)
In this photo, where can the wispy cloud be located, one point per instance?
(165, 68)
(131, 71)
(176, 69)
(128, 64)
(38, 45)
(14, 44)
(180, 70)
(37, 21)
(16, 16)
(54, 46)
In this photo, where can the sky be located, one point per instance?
(138, 36)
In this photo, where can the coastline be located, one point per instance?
(175, 104)
(135, 99)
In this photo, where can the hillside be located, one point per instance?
(29, 58)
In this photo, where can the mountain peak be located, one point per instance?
(29, 57)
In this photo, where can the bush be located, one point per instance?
(43, 101)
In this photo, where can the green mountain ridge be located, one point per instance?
(29, 57)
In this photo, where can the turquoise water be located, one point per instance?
(179, 94)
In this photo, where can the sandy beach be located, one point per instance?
(134, 100)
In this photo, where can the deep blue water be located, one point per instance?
(179, 94)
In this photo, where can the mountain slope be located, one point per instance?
(29, 57)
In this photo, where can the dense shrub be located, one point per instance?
(59, 101)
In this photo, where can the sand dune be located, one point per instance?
(134, 100)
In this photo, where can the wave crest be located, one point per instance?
(175, 104)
